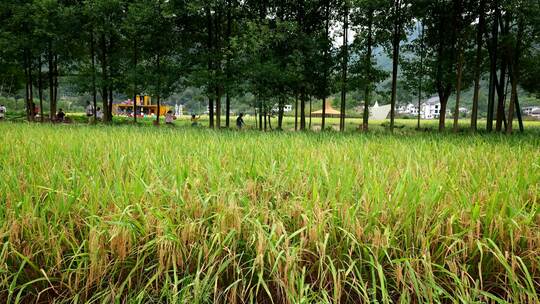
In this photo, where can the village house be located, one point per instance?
(528, 111)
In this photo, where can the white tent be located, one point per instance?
(379, 112)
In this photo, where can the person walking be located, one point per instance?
(170, 118)
(89, 110)
(3, 111)
(240, 121)
(99, 114)
(60, 116)
(194, 120)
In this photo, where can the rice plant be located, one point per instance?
(98, 214)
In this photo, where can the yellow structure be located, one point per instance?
(329, 111)
(144, 107)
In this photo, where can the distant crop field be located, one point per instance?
(128, 214)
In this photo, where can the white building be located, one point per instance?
(431, 109)
(179, 110)
(286, 108)
(528, 111)
(409, 109)
(535, 113)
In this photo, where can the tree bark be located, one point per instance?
(478, 64)
(296, 113)
(261, 112)
(56, 74)
(228, 72)
(303, 109)
(493, 66)
(27, 85)
(227, 109)
(514, 71)
(218, 108)
(442, 114)
(52, 101)
(280, 112)
(105, 84)
(344, 67)
(158, 116)
(210, 65)
(31, 90)
(93, 58)
(327, 61)
(502, 80)
(110, 103)
(135, 62)
(264, 117)
(323, 119)
(458, 89)
(367, 93)
(211, 112)
(396, 39)
(40, 89)
(421, 77)
(310, 104)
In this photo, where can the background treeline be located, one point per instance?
(278, 51)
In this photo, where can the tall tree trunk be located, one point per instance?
(367, 93)
(31, 90)
(458, 89)
(396, 39)
(478, 64)
(228, 72)
(218, 108)
(420, 77)
(217, 64)
(210, 64)
(296, 113)
(303, 97)
(111, 99)
(104, 89)
(514, 72)
(94, 90)
(40, 88)
(135, 62)
(327, 61)
(158, 116)
(256, 120)
(344, 67)
(27, 86)
(513, 98)
(323, 119)
(211, 111)
(264, 117)
(310, 107)
(261, 113)
(442, 114)
(26, 91)
(56, 74)
(518, 115)
(227, 109)
(52, 101)
(280, 112)
(493, 66)
(502, 80)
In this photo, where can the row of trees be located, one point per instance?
(278, 50)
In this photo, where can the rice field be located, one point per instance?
(124, 214)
